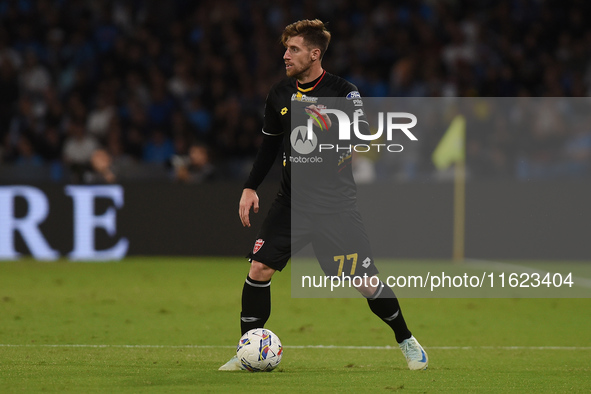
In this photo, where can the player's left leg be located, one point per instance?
(384, 304)
(342, 238)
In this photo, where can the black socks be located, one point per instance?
(256, 307)
(385, 305)
(256, 304)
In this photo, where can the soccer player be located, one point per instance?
(320, 192)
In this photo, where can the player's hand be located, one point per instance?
(249, 199)
(313, 110)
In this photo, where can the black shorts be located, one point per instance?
(339, 241)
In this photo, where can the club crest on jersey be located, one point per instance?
(303, 98)
(257, 245)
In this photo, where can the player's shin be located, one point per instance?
(385, 305)
(256, 304)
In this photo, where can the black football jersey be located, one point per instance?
(317, 175)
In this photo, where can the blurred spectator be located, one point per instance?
(161, 107)
(202, 70)
(199, 117)
(159, 148)
(577, 149)
(194, 168)
(50, 145)
(7, 54)
(100, 117)
(26, 121)
(26, 155)
(101, 168)
(34, 78)
(182, 84)
(8, 94)
(50, 148)
(78, 150)
(134, 143)
(136, 88)
(123, 163)
(54, 113)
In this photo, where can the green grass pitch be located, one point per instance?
(166, 325)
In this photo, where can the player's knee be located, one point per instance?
(369, 288)
(366, 291)
(260, 271)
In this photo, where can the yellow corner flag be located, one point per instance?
(451, 148)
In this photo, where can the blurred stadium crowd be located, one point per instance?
(106, 91)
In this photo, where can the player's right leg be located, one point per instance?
(256, 304)
(271, 253)
(256, 297)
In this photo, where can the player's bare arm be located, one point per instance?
(249, 199)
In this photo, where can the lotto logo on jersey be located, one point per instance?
(257, 245)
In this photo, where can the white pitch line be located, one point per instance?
(299, 347)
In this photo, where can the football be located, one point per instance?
(259, 350)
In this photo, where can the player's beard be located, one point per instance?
(298, 72)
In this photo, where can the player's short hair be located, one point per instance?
(313, 32)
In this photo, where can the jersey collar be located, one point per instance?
(315, 82)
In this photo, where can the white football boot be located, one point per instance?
(415, 355)
(232, 365)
